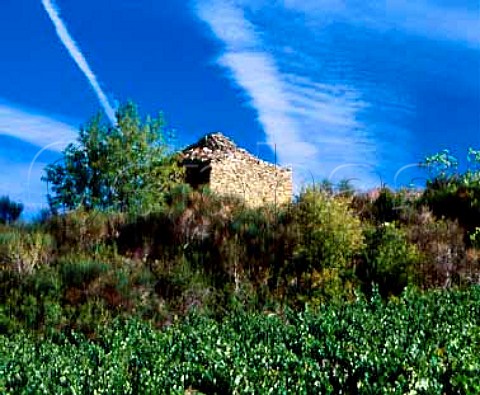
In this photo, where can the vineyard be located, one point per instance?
(143, 284)
(418, 343)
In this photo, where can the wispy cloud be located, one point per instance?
(40, 139)
(341, 86)
(35, 128)
(432, 19)
(74, 51)
(313, 123)
(255, 71)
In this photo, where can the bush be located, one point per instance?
(330, 235)
(23, 250)
(329, 238)
(388, 260)
(442, 247)
(451, 194)
(266, 238)
(26, 299)
(183, 287)
(83, 231)
(384, 205)
(454, 201)
(80, 272)
(191, 221)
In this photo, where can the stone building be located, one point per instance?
(215, 161)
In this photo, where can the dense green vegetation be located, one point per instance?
(133, 282)
(415, 344)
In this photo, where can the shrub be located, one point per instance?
(388, 260)
(266, 238)
(386, 208)
(442, 247)
(83, 231)
(79, 272)
(26, 298)
(183, 286)
(451, 194)
(329, 236)
(193, 220)
(384, 205)
(23, 251)
(456, 202)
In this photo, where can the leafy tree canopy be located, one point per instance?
(453, 194)
(123, 167)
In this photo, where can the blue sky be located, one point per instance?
(342, 89)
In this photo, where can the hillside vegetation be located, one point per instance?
(132, 280)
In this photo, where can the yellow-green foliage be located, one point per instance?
(329, 237)
(23, 251)
(475, 237)
(330, 234)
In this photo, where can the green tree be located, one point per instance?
(442, 165)
(9, 211)
(123, 167)
(345, 187)
(452, 194)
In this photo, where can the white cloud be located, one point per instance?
(35, 128)
(227, 23)
(426, 18)
(437, 22)
(313, 124)
(255, 73)
(77, 56)
(21, 178)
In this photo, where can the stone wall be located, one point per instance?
(256, 182)
(228, 170)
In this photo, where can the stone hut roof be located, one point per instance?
(215, 147)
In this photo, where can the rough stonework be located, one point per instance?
(217, 162)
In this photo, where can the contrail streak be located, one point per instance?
(77, 56)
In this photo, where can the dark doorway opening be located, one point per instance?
(197, 173)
